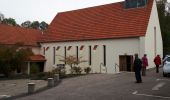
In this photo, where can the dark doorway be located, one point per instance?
(126, 63)
(39, 65)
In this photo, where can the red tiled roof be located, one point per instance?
(37, 58)
(11, 35)
(100, 22)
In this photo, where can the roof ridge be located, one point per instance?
(92, 7)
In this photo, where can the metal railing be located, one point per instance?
(102, 65)
(116, 65)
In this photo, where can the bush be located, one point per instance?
(34, 69)
(87, 70)
(39, 76)
(77, 70)
(59, 70)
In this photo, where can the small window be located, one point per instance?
(131, 3)
(141, 3)
(44, 50)
(135, 3)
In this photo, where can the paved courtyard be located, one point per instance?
(97, 87)
(108, 87)
(9, 88)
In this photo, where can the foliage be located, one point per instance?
(9, 21)
(39, 76)
(164, 19)
(59, 70)
(76, 70)
(12, 58)
(26, 24)
(43, 25)
(72, 61)
(87, 70)
(34, 69)
(35, 24)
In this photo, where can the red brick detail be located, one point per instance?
(47, 48)
(95, 47)
(81, 48)
(69, 48)
(58, 48)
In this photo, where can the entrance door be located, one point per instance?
(126, 63)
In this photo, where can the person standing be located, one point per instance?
(144, 64)
(157, 61)
(137, 68)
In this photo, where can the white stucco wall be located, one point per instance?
(150, 39)
(36, 50)
(114, 48)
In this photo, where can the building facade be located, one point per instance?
(106, 36)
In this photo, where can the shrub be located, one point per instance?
(76, 70)
(59, 70)
(87, 70)
(34, 69)
(39, 76)
(73, 61)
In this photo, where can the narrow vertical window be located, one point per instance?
(90, 55)
(155, 47)
(104, 55)
(77, 49)
(65, 53)
(53, 55)
(44, 50)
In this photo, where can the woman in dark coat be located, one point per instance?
(138, 67)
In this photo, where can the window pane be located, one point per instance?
(141, 3)
(131, 3)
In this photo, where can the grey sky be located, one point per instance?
(43, 10)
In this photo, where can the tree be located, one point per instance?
(164, 19)
(13, 58)
(26, 24)
(9, 21)
(35, 25)
(72, 61)
(43, 25)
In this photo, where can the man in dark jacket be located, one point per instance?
(137, 67)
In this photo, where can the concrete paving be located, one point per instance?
(9, 88)
(107, 87)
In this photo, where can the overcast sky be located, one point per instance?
(43, 10)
